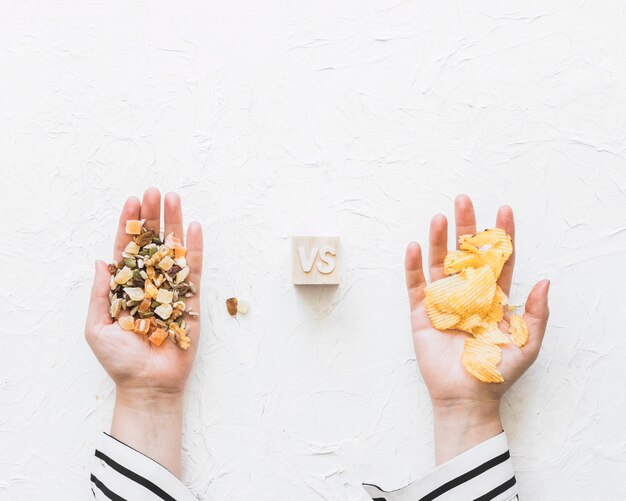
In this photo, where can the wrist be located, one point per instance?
(148, 401)
(150, 422)
(462, 424)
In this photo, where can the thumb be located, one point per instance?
(536, 315)
(99, 302)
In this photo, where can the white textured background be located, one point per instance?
(367, 115)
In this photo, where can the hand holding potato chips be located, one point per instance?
(464, 333)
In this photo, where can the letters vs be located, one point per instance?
(315, 260)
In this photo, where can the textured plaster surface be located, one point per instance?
(364, 116)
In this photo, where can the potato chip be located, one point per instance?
(441, 320)
(518, 331)
(496, 310)
(470, 323)
(456, 261)
(480, 359)
(491, 334)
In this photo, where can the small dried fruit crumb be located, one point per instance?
(231, 305)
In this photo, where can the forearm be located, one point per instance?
(459, 426)
(152, 424)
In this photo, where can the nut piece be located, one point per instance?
(124, 275)
(178, 309)
(179, 336)
(164, 296)
(164, 311)
(231, 305)
(242, 306)
(127, 323)
(133, 227)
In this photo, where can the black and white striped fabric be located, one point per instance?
(120, 473)
(484, 473)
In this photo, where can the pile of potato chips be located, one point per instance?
(470, 300)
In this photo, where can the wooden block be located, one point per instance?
(315, 260)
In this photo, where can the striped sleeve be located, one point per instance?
(121, 473)
(483, 473)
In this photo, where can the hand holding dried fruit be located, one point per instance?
(151, 285)
(143, 322)
(463, 330)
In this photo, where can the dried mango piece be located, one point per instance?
(157, 337)
(518, 331)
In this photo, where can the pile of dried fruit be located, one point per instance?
(470, 300)
(151, 286)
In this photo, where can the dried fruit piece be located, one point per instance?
(182, 275)
(144, 239)
(123, 275)
(144, 306)
(142, 326)
(131, 249)
(231, 305)
(158, 336)
(166, 263)
(134, 293)
(164, 311)
(242, 306)
(164, 296)
(116, 307)
(127, 323)
(150, 290)
(133, 227)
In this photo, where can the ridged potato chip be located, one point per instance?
(518, 331)
(469, 299)
(480, 359)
